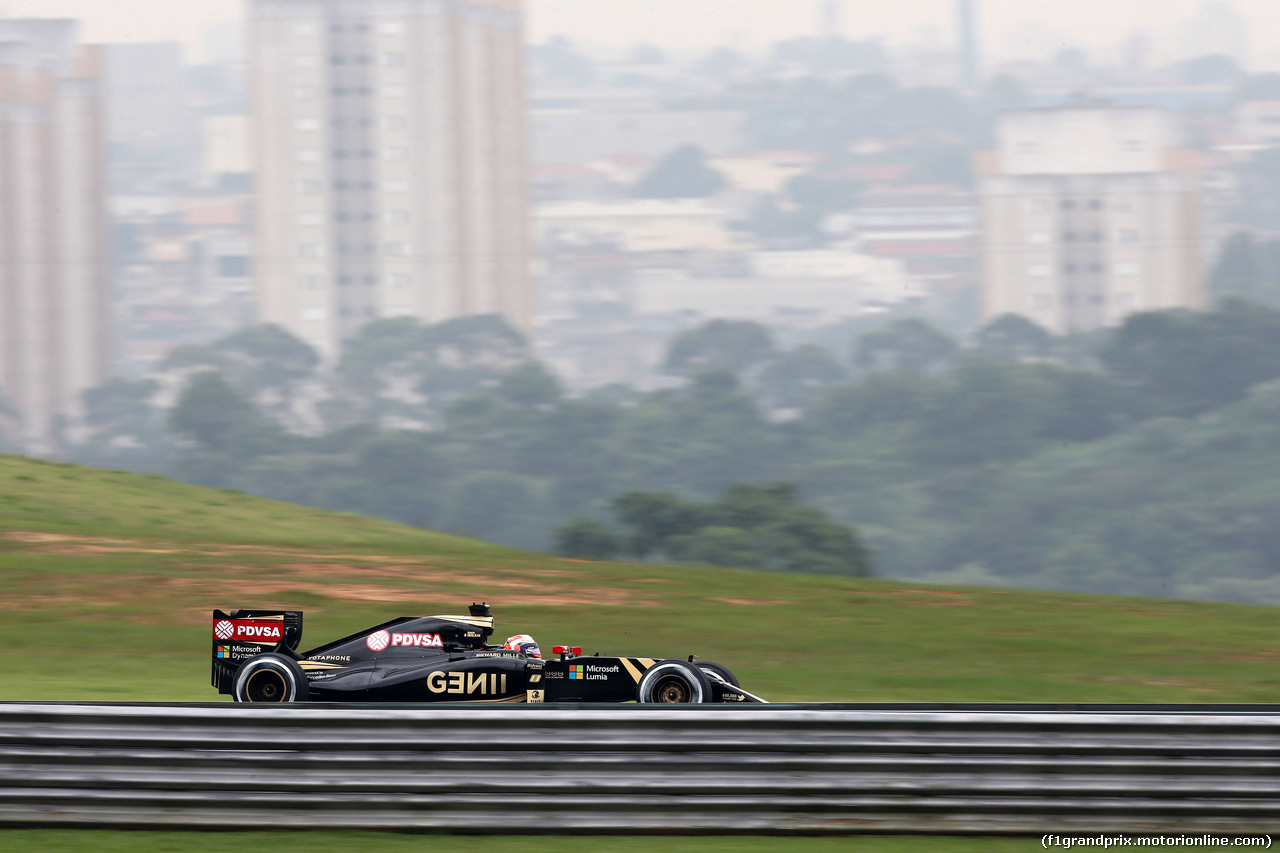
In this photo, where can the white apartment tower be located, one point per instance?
(1088, 215)
(391, 165)
(55, 307)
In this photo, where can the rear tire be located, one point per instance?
(270, 678)
(674, 682)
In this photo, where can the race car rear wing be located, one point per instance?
(241, 634)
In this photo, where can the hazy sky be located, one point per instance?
(1026, 26)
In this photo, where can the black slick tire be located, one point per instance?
(674, 682)
(270, 678)
(720, 670)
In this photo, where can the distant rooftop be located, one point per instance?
(1098, 138)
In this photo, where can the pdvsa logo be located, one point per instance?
(246, 629)
(432, 640)
(260, 632)
(379, 640)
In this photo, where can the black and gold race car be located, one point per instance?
(440, 659)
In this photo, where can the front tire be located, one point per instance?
(710, 667)
(270, 678)
(673, 682)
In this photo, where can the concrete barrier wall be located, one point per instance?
(630, 768)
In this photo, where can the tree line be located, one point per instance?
(1135, 460)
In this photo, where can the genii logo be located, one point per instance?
(378, 640)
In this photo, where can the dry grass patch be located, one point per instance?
(750, 602)
(928, 597)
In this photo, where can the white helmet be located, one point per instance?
(523, 643)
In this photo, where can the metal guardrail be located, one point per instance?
(768, 768)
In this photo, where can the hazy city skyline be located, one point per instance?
(1005, 27)
(420, 213)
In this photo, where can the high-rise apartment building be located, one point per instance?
(968, 36)
(1088, 215)
(55, 311)
(391, 162)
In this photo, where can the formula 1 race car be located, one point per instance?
(440, 659)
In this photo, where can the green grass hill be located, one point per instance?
(108, 580)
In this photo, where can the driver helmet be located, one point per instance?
(523, 643)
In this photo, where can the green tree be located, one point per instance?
(804, 539)
(734, 345)
(683, 173)
(1259, 196)
(401, 475)
(1247, 269)
(486, 338)
(1184, 364)
(704, 436)
(749, 527)
(988, 411)
(10, 430)
(654, 518)
(498, 507)
(569, 445)
(884, 397)
(400, 374)
(587, 539)
(1237, 271)
(378, 345)
(1086, 405)
(797, 377)
(271, 367)
(751, 507)
(120, 404)
(714, 545)
(526, 426)
(1014, 337)
(530, 386)
(265, 356)
(218, 417)
(126, 427)
(906, 343)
